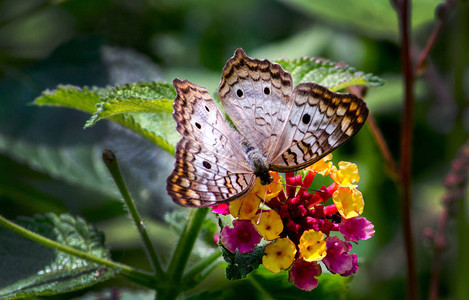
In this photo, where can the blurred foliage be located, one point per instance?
(48, 163)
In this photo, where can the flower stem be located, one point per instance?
(194, 274)
(181, 254)
(137, 276)
(111, 163)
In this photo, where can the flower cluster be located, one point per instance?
(300, 227)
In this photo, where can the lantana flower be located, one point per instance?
(297, 224)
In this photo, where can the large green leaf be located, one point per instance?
(144, 107)
(375, 18)
(329, 74)
(31, 269)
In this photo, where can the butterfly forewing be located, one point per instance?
(210, 164)
(319, 122)
(255, 94)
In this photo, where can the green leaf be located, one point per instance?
(326, 73)
(241, 264)
(30, 269)
(150, 97)
(75, 164)
(375, 18)
(330, 286)
(142, 107)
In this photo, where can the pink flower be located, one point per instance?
(356, 229)
(242, 236)
(303, 274)
(354, 266)
(338, 259)
(222, 209)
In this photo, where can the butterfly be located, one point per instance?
(279, 128)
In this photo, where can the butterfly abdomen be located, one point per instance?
(258, 163)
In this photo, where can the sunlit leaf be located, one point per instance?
(30, 269)
(144, 107)
(335, 76)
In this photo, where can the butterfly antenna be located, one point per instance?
(263, 204)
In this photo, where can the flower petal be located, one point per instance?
(303, 274)
(242, 236)
(312, 245)
(268, 224)
(349, 201)
(279, 255)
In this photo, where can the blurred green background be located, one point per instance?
(48, 163)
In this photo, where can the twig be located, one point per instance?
(443, 11)
(403, 12)
(378, 135)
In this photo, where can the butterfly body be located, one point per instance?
(279, 128)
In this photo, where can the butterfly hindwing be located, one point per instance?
(319, 122)
(210, 164)
(256, 94)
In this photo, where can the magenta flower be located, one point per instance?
(243, 236)
(222, 209)
(338, 259)
(354, 266)
(303, 274)
(356, 229)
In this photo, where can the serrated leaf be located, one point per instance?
(149, 97)
(133, 106)
(241, 264)
(332, 75)
(30, 269)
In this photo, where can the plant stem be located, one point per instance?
(140, 277)
(444, 9)
(193, 274)
(181, 254)
(403, 11)
(111, 163)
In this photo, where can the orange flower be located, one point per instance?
(323, 166)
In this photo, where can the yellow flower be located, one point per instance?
(246, 207)
(349, 201)
(323, 166)
(279, 255)
(346, 175)
(312, 245)
(269, 225)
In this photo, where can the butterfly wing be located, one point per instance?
(319, 122)
(256, 94)
(210, 164)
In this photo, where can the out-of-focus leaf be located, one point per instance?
(117, 293)
(30, 269)
(77, 164)
(278, 287)
(375, 18)
(329, 74)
